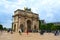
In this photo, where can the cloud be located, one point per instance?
(47, 9)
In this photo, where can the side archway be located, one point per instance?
(35, 28)
(14, 27)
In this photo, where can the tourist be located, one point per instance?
(27, 32)
(42, 32)
(11, 31)
(56, 32)
(20, 31)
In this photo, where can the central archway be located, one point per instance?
(28, 25)
(22, 27)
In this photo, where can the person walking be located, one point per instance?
(20, 31)
(27, 32)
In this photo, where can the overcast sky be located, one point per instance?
(49, 10)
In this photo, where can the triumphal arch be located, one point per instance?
(25, 20)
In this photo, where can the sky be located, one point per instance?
(48, 10)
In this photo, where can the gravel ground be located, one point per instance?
(30, 36)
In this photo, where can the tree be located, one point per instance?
(49, 25)
(39, 24)
(5, 28)
(58, 27)
(1, 27)
(43, 27)
(54, 28)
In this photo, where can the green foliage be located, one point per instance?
(1, 27)
(43, 27)
(58, 27)
(54, 27)
(5, 28)
(39, 24)
(49, 26)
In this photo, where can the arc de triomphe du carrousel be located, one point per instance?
(25, 20)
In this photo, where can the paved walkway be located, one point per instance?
(30, 36)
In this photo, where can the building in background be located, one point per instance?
(56, 23)
(42, 21)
